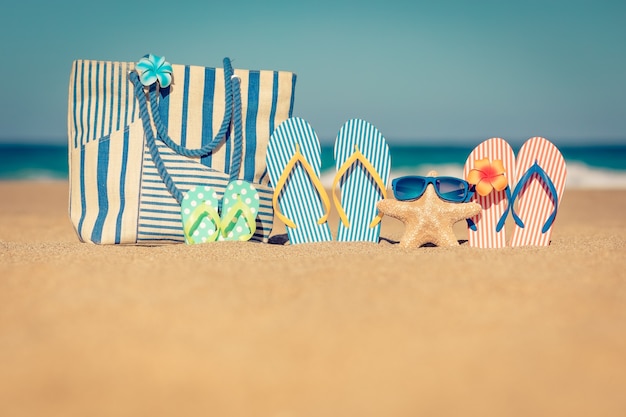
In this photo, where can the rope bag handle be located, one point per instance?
(232, 114)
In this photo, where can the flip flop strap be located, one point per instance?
(536, 169)
(502, 220)
(357, 156)
(238, 209)
(196, 217)
(509, 207)
(280, 184)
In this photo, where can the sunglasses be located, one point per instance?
(454, 190)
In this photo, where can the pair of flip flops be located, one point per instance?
(363, 163)
(201, 218)
(529, 187)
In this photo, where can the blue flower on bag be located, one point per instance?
(154, 68)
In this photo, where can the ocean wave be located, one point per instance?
(34, 175)
(579, 175)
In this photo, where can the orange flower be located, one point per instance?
(487, 177)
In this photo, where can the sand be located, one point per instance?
(333, 329)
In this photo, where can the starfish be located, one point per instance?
(429, 219)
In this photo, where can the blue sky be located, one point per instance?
(420, 71)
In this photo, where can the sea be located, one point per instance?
(589, 166)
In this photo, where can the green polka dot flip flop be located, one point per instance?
(240, 207)
(201, 221)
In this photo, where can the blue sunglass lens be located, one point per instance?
(451, 189)
(408, 188)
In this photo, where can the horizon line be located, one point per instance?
(417, 142)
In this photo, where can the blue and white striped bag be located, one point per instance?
(134, 151)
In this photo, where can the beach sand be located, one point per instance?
(333, 329)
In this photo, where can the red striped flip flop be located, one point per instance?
(486, 230)
(540, 177)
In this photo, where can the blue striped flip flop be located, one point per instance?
(293, 164)
(240, 208)
(363, 164)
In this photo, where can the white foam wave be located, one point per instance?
(35, 175)
(579, 175)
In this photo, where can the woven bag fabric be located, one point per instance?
(128, 168)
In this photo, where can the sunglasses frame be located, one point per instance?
(468, 190)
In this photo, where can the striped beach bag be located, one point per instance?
(136, 148)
